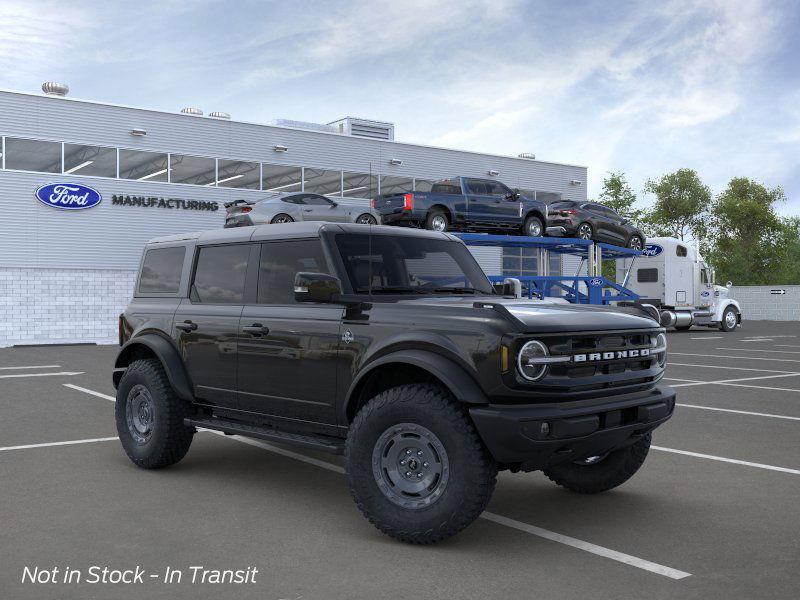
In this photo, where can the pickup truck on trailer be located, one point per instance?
(465, 204)
(389, 346)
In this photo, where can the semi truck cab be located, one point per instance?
(671, 275)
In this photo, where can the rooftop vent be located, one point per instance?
(527, 155)
(219, 115)
(303, 125)
(376, 130)
(192, 111)
(51, 88)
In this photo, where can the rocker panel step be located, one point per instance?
(315, 442)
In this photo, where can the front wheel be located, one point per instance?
(416, 466)
(533, 227)
(149, 416)
(729, 320)
(602, 472)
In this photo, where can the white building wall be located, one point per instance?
(759, 303)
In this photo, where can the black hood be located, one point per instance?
(541, 316)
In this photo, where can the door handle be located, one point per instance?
(186, 326)
(308, 209)
(256, 329)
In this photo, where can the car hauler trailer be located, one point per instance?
(672, 276)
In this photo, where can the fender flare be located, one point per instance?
(460, 383)
(723, 306)
(535, 212)
(166, 352)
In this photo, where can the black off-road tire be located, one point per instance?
(607, 473)
(170, 438)
(472, 471)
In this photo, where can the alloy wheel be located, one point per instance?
(585, 232)
(140, 413)
(439, 223)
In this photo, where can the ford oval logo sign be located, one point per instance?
(705, 293)
(68, 196)
(652, 250)
(596, 281)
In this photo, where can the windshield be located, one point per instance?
(389, 264)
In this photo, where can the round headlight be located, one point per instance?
(660, 347)
(528, 363)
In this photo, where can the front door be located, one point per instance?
(319, 208)
(288, 351)
(207, 323)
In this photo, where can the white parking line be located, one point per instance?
(31, 367)
(67, 443)
(739, 412)
(92, 392)
(514, 524)
(731, 381)
(786, 346)
(708, 337)
(15, 375)
(727, 460)
(739, 357)
(673, 364)
(756, 350)
(758, 340)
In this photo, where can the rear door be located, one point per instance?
(480, 202)
(207, 323)
(288, 351)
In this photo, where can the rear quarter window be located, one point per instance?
(161, 270)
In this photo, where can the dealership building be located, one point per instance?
(65, 275)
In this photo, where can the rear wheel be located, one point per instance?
(533, 227)
(729, 320)
(367, 219)
(149, 416)
(436, 220)
(602, 472)
(416, 466)
(282, 218)
(584, 231)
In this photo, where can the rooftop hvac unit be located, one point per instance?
(51, 88)
(376, 130)
(192, 111)
(303, 125)
(217, 114)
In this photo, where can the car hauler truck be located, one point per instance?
(672, 276)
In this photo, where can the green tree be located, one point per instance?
(618, 195)
(749, 243)
(681, 205)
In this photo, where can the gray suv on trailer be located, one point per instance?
(391, 347)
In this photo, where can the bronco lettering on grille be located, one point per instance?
(616, 355)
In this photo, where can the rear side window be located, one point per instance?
(647, 275)
(220, 274)
(681, 251)
(280, 262)
(161, 270)
(446, 187)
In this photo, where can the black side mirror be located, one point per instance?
(334, 204)
(316, 287)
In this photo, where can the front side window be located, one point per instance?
(315, 200)
(33, 155)
(681, 251)
(495, 188)
(280, 262)
(161, 270)
(393, 264)
(476, 186)
(220, 273)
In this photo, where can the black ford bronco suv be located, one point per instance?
(391, 347)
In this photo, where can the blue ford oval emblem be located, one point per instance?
(652, 250)
(705, 293)
(596, 281)
(68, 196)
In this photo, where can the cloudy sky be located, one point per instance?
(641, 87)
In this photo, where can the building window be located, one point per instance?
(237, 174)
(280, 178)
(194, 170)
(143, 166)
(396, 185)
(96, 161)
(359, 185)
(33, 155)
(322, 181)
(423, 185)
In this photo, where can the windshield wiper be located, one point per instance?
(456, 290)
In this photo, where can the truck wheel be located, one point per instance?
(416, 466)
(601, 473)
(533, 227)
(150, 416)
(436, 220)
(729, 320)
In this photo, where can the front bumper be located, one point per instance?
(537, 436)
